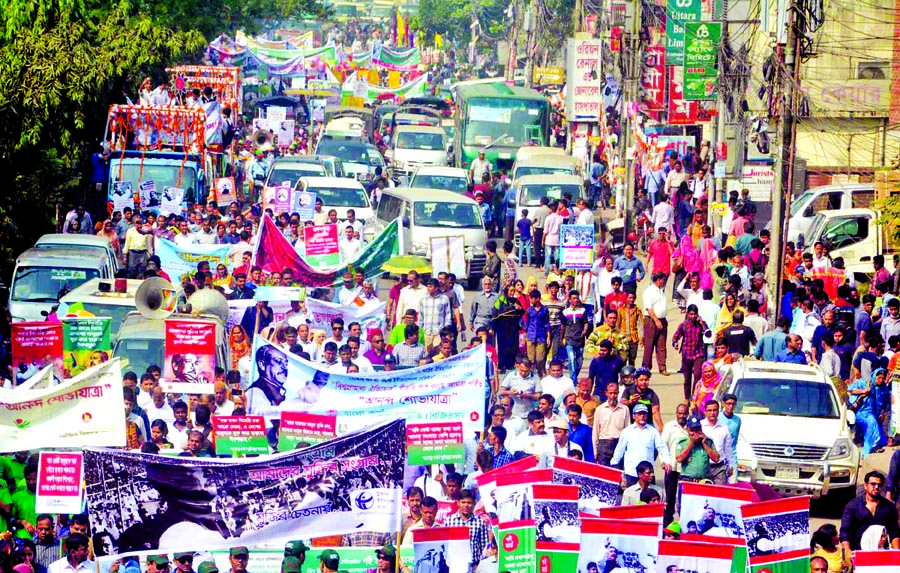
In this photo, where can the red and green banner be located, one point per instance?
(397, 59)
(322, 249)
(190, 359)
(516, 546)
(777, 535)
(598, 486)
(611, 544)
(435, 443)
(557, 527)
(85, 344)
(274, 253)
(513, 494)
(553, 557)
(487, 482)
(713, 510)
(36, 345)
(694, 556)
(240, 435)
(300, 427)
(877, 561)
(738, 544)
(442, 550)
(650, 513)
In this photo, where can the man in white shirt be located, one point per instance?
(357, 225)
(725, 470)
(521, 385)
(337, 332)
(76, 558)
(555, 383)
(410, 296)
(206, 235)
(224, 406)
(480, 166)
(159, 409)
(184, 236)
(656, 327)
(690, 290)
(585, 215)
(349, 246)
(562, 446)
(535, 440)
(663, 215)
(349, 290)
(674, 180)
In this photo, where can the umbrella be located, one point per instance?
(405, 263)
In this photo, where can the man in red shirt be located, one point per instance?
(660, 253)
(617, 298)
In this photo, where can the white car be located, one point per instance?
(795, 434)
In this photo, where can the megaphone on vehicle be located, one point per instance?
(156, 298)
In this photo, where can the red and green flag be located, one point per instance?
(442, 550)
(777, 535)
(694, 556)
(598, 485)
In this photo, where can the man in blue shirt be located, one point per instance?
(773, 341)
(730, 419)
(630, 268)
(792, 353)
(605, 367)
(537, 332)
(580, 433)
(640, 442)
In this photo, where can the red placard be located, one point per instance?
(36, 345)
(681, 112)
(653, 79)
(321, 240)
(299, 427)
(190, 351)
(59, 483)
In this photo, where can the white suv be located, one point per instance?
(794, 435)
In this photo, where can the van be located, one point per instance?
(545, 165)
(340, 194)
(415, 145)
(106, 302)
(528, 151)
(87, 243)
(828, 197)
(428, 213)
(531, 188)
(44, 275)
(293, 168)
(141, 341)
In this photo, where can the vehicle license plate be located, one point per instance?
(787, 472)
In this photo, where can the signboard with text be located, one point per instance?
(585, 81)
(701, 46)
(297, 427)
(322, 249)
(677, 13)
(59, 483)
(240, 435)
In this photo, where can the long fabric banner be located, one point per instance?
(692, 556)
(414, 88)
(369, 316)
(608, 544)
(159, 503)
(83, 411)
(778, 535)
(598, 486)
(180, 263)
(442, 550)
(448, 391)
(274, 253)
(401, 60)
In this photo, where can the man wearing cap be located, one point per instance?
(238, 557)
(640, 442)
(696, 453)
(159, 563)
(290, 565)
(208, 567)
(184, 562)
(329, 561)
(387, 559)
(296, 549)
(562, 446)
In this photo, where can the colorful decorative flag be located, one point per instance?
(598, 486)
(713, 509)
(610, 544)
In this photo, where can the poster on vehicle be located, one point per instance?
(239, 436)
(172, 201)
(59, 482)
(281, 202)
(36, 345)
(435, 443)
(304, 428)
(225, 195)
(448, 255)
(85, 343)
(121, 195)
(322, 249)
(190, 352)
(576, 247)
(149, 195)
(304, 204)
(442, 550)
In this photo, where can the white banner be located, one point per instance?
(369, 316)
(83, 411)
(448, 391)
(181, 262)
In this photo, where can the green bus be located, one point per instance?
(499, 119)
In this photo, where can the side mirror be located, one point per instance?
(801, 242)
(405, 221)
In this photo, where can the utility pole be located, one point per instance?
(630, 94)
(784, 160)
(512, 16)
(528, 24)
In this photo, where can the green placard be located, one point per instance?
(440, 443)
(85, 343)
(517, 548)
(677, 13)
(701, 74)
(553, 559)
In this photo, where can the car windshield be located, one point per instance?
(532, 193)
(47, 284)
(807, 399)
(340, 196)
(139, 353)
(456, 215)
(294, 171)
(799, 203)
(420, 140)
(535, 170)
(346, 152)
(455, 184)
(162, 176)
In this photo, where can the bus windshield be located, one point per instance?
(456, 215)
(506, 122)
(48, 284)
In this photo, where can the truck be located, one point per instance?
(856, 235)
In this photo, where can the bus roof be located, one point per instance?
(498, 90)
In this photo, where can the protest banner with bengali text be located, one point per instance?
(85, 343)
(82, 411)
(576, 247)
(598, 486)
(693, 556)
(448, 391)
(777, 535)
(352, 483)
(440, 443)
(181, 262)
(240, 435)
(636, 543)
(299, 427)
(876, 561)
(59, 482)
(442, 550)
(321, 244)
(369, 316)
(516, 546)
(36, 345)
(190, 356)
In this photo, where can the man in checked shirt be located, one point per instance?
(689, 340)
(479, 532)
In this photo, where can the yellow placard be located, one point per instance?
(393, 79)
(354, 101)
(718, 209)
(549, 75)
(373, 77)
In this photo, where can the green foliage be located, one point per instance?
(889, 209)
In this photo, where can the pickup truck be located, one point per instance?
(855, 235)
